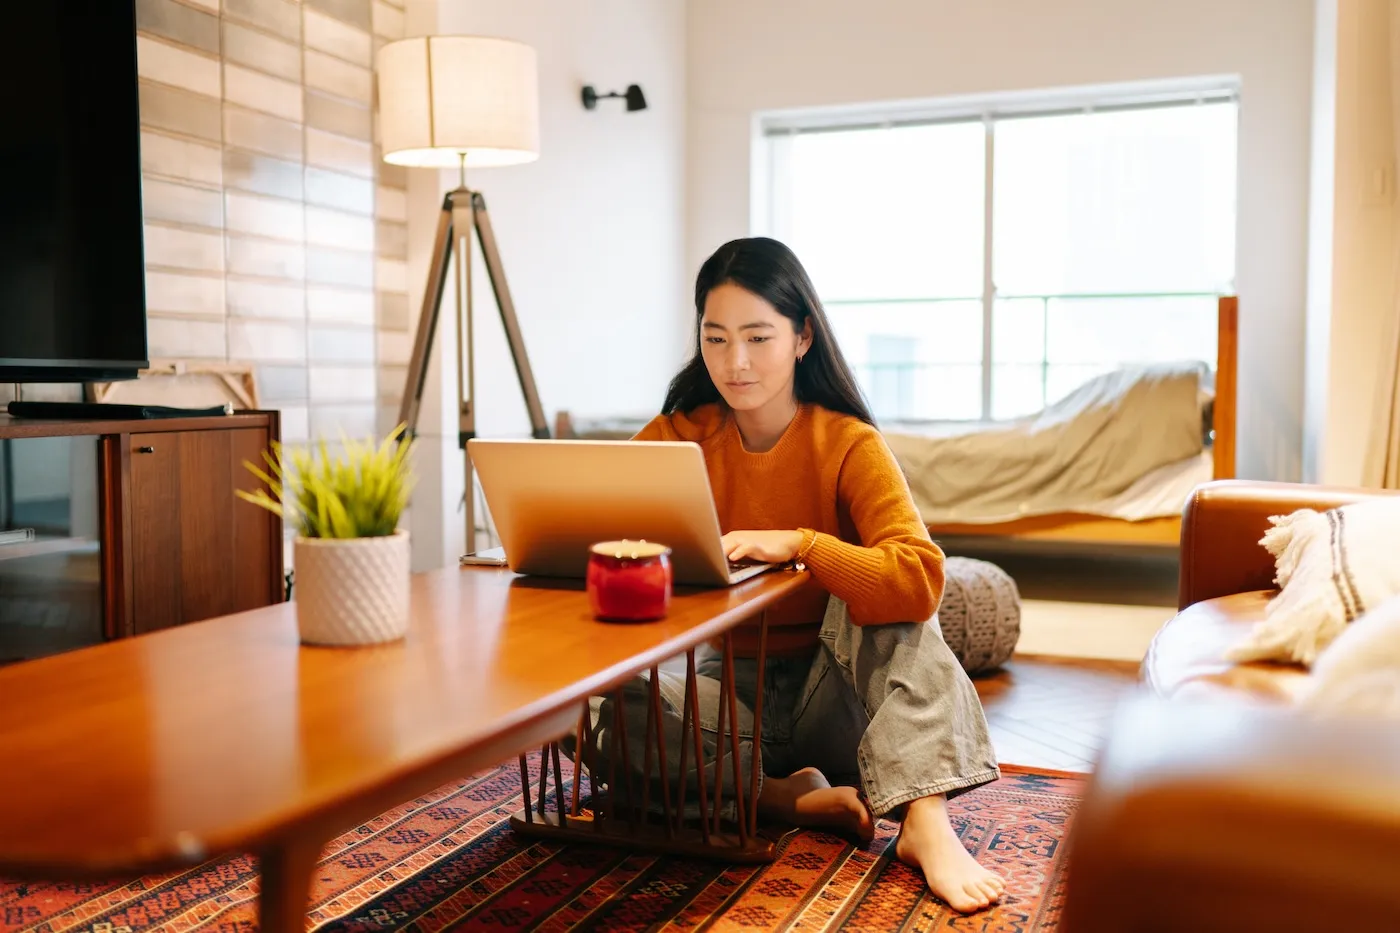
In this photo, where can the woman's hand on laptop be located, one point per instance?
(765, 547)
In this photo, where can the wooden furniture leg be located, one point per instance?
(286, 870)
(709, 835)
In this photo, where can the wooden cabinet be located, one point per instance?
(177, 545)
(152, 491)
(196, 550)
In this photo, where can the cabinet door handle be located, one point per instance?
(145, 450)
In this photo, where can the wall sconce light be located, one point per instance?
(633, 96)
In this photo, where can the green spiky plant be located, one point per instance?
(360, 494)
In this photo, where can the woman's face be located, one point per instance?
(750, 350)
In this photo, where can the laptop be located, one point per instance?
(551, 499)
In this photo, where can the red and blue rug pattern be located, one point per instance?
(449, 861)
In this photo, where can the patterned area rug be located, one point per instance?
(449, 861)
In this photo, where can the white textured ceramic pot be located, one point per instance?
(352, 591)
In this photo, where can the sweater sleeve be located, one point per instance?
(896, 573)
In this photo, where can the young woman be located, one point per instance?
(858, 686)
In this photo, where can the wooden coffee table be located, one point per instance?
(163, 751)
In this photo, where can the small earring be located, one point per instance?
(799, 359)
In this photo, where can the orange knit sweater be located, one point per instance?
(832, 477)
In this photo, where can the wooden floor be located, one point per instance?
(1053, 712)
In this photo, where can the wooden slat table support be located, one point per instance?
(670, 831)
(159, 752)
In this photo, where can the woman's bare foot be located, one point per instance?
(928, 842)
(806, 798)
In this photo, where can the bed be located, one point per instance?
(1147, 511)
(1114, 463)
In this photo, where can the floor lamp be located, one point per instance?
(460, 102)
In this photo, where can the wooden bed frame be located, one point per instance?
(1080, 528)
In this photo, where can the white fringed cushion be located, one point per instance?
(981, 613)
(1359, 673)
(1332, 567)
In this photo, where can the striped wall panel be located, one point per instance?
(274, 234)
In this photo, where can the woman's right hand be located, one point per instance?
(765, 547)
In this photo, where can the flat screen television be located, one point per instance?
(72, 276)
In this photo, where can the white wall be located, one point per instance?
(591, 235)
(1317, 328)
(745, 56)
(1352, 249)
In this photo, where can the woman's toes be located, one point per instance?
(965, 900)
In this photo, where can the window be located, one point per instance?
(984, 265)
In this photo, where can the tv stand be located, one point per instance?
(170, 543)
(108, 411)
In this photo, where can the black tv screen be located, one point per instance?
(72, 278)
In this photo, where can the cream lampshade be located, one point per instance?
(445, 97)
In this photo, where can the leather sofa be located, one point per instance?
(1215, 806)
(1226, 580)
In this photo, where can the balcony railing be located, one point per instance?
(972, 359)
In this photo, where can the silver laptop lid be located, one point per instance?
(551, 499)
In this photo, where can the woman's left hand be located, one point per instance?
(766, 547)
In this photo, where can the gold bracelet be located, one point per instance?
(809, 539)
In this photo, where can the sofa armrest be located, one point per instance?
(1221, 527)
(1227, 816)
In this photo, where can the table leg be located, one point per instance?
(758, 722)
(286, 869)
(708, 837)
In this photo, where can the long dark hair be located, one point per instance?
(771, 271)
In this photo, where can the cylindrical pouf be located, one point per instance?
(981, 613)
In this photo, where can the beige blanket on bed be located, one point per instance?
(1090, 445)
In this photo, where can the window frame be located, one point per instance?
(771, 129)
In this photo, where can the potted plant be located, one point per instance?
(351, 558)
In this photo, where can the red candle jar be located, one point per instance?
(629, 581)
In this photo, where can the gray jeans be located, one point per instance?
(886, 708)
